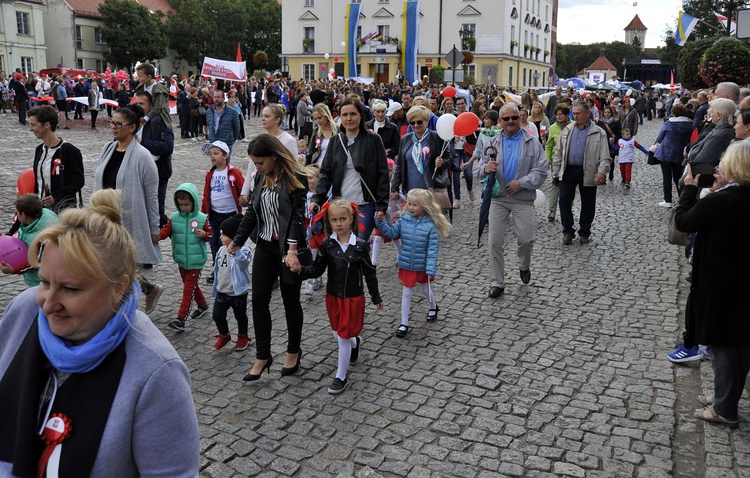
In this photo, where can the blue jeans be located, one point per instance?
(458, 160)
(367, 220)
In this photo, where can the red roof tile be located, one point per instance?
(90, 8)
(635, 24)
(602, 63)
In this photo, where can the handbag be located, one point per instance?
(674, 235)
(442, 198)
(652, 159)
(201, 110)
(469, 148)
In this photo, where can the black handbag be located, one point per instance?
(652, 159)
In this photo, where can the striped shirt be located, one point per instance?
(269, 214)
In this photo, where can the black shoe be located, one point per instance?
(337, 386)
(568, 238)
(526, 276)
(210, 278)
(584, 239)
(496, 292)
(355, 352)
(250, 377)
(292, 370)
(432, 314)
(402, 330)
(178, 325)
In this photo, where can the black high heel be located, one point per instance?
(251, 377)
(292, 370)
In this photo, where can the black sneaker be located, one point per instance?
(199, 312)
(178, 325)
(584, 239)
(355, 352)
(210, 278)
(568, 239)
(337, 386)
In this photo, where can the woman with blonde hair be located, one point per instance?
(325, 129)
(716, 311)
(540, 120)
(81, 328)
(277, 210)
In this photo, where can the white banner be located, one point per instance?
(224, 70)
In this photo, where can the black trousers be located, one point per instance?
(731, 365)
(23, 105)
(572, 178)
(266, 268)
(94, 113)
(238, 304)
(670, 173)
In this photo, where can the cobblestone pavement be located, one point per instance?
(565, 376)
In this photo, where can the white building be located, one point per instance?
(511, 41)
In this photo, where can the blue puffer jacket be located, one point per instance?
(419, 242)
(672, 139)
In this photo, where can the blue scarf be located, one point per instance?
(70, 358)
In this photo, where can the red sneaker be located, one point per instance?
(222, 340)
(242, 342)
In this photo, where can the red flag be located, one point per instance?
(239, 53)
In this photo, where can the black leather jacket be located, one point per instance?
(345, 269)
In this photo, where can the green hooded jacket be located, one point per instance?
(188, 250)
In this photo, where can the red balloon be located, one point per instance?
(449, 92)
(466, 124)
(323, 67)
(25, 183)
(336, 58)
(14, 252)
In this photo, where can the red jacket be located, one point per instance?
(236, 181)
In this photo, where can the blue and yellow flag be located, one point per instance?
(350, 58)
(685, 25)
(410, 46)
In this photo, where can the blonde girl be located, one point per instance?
(347, 259)
(420, 228)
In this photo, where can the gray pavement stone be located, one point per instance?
(565, 376)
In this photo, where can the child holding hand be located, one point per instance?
(347, 258)
(420, 227)
(626, 157)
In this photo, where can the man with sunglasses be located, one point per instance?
(519, 166)
(581, 160)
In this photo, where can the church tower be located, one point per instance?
(636, 29)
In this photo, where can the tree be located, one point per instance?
(260, 58)
(727, 59)
(201, 28)
(573, 57)
(132, 32)
(437, 74)
(704, 10)
(688, 62)
(637, 45)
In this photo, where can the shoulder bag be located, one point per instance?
(674, 235)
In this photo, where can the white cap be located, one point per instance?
(221, 145)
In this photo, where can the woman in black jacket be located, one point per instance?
(355, 166)
(387, 131)
(278, 210)
(718, 288)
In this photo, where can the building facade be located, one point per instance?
(22, 36)
(510, 41)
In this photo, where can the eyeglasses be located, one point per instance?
(416, 123)
(509, 118)
(117, 124)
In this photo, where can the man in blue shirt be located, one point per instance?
(581, 160)
(520, 167)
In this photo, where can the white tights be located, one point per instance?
(377, 243)
(406, 301)
(345, 353)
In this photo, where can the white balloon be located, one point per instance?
(343, 44)
(540, 198)
(444, 126)
(327, 56)
(629, 92)
(571, 84)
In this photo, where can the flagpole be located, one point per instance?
(709, 25)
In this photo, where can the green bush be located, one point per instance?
(688, 62)
(726, 60)
(437, 74)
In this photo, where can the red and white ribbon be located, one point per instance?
(56, 430)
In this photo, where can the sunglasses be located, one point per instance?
(509, 118)
(117, 124)
(417, 123)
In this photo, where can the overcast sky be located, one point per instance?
(593, 21)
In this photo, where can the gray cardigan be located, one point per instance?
(152, 429)
(138, 180)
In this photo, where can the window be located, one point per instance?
(382, 1)
(385, 32)
(546, 13)
(100, 66)
(308, 71)
(356, 1)
(510, 76)
(79, 37)
(309, 3)
(2, 63)
(27, 65)
(359, 31)
(79, 63)
(98, 38)
(22, 22)
(524, 77)
(308, 41)
(471, 70)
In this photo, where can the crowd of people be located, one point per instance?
(366, 158)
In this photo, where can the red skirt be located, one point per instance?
(346, 314)
(412, 278)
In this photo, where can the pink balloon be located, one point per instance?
(14, 252)
(466, 124)
(449, 92)
(25, 183)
